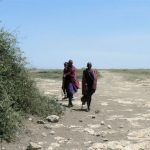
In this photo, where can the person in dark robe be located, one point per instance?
(89, 83)
(71, 82)
(64, 80)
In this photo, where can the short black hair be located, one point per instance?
(65, 63)
(70, 61)
(89, 64)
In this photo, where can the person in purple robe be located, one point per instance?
(72, 83)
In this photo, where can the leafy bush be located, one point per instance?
(9, 118)
(18, 93)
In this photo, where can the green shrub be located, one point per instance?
(9, 118)
(18, 93)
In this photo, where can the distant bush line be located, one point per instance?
(132, 71)
(133, 74)
(53, 73)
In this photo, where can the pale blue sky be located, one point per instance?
(109, 33)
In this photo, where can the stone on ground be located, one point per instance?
(53, 118)
(34, 146)
(40, 122)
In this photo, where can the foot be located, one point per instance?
(88, 109)
(70, 105)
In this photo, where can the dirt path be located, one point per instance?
(119, 118)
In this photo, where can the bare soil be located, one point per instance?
(119, 118)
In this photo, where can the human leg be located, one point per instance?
(88, 102)
(70, 100)
(89, 98)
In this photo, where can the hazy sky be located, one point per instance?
(108, 33)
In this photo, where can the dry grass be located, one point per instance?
(133, 74)
(53, 73)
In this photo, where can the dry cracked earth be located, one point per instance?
(119, 118)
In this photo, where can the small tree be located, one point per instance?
(17, 91)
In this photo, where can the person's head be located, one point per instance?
(70, 63)
(89, 65)
(65, 64)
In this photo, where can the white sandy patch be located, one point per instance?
(139, 100)
(109, 110)
(128, 110)
(74, 126)
(146, 104)
(138, 146)
(124, 89)
(123, 101)
(134, 121)
(121, 145)
(115, 117)
(57, 126)
(140, 135)
(104, 103)
(112, 145)
(94, 125)
(49, 93)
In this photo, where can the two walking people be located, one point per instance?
(70, 83)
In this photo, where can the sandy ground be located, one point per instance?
(119, 118)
